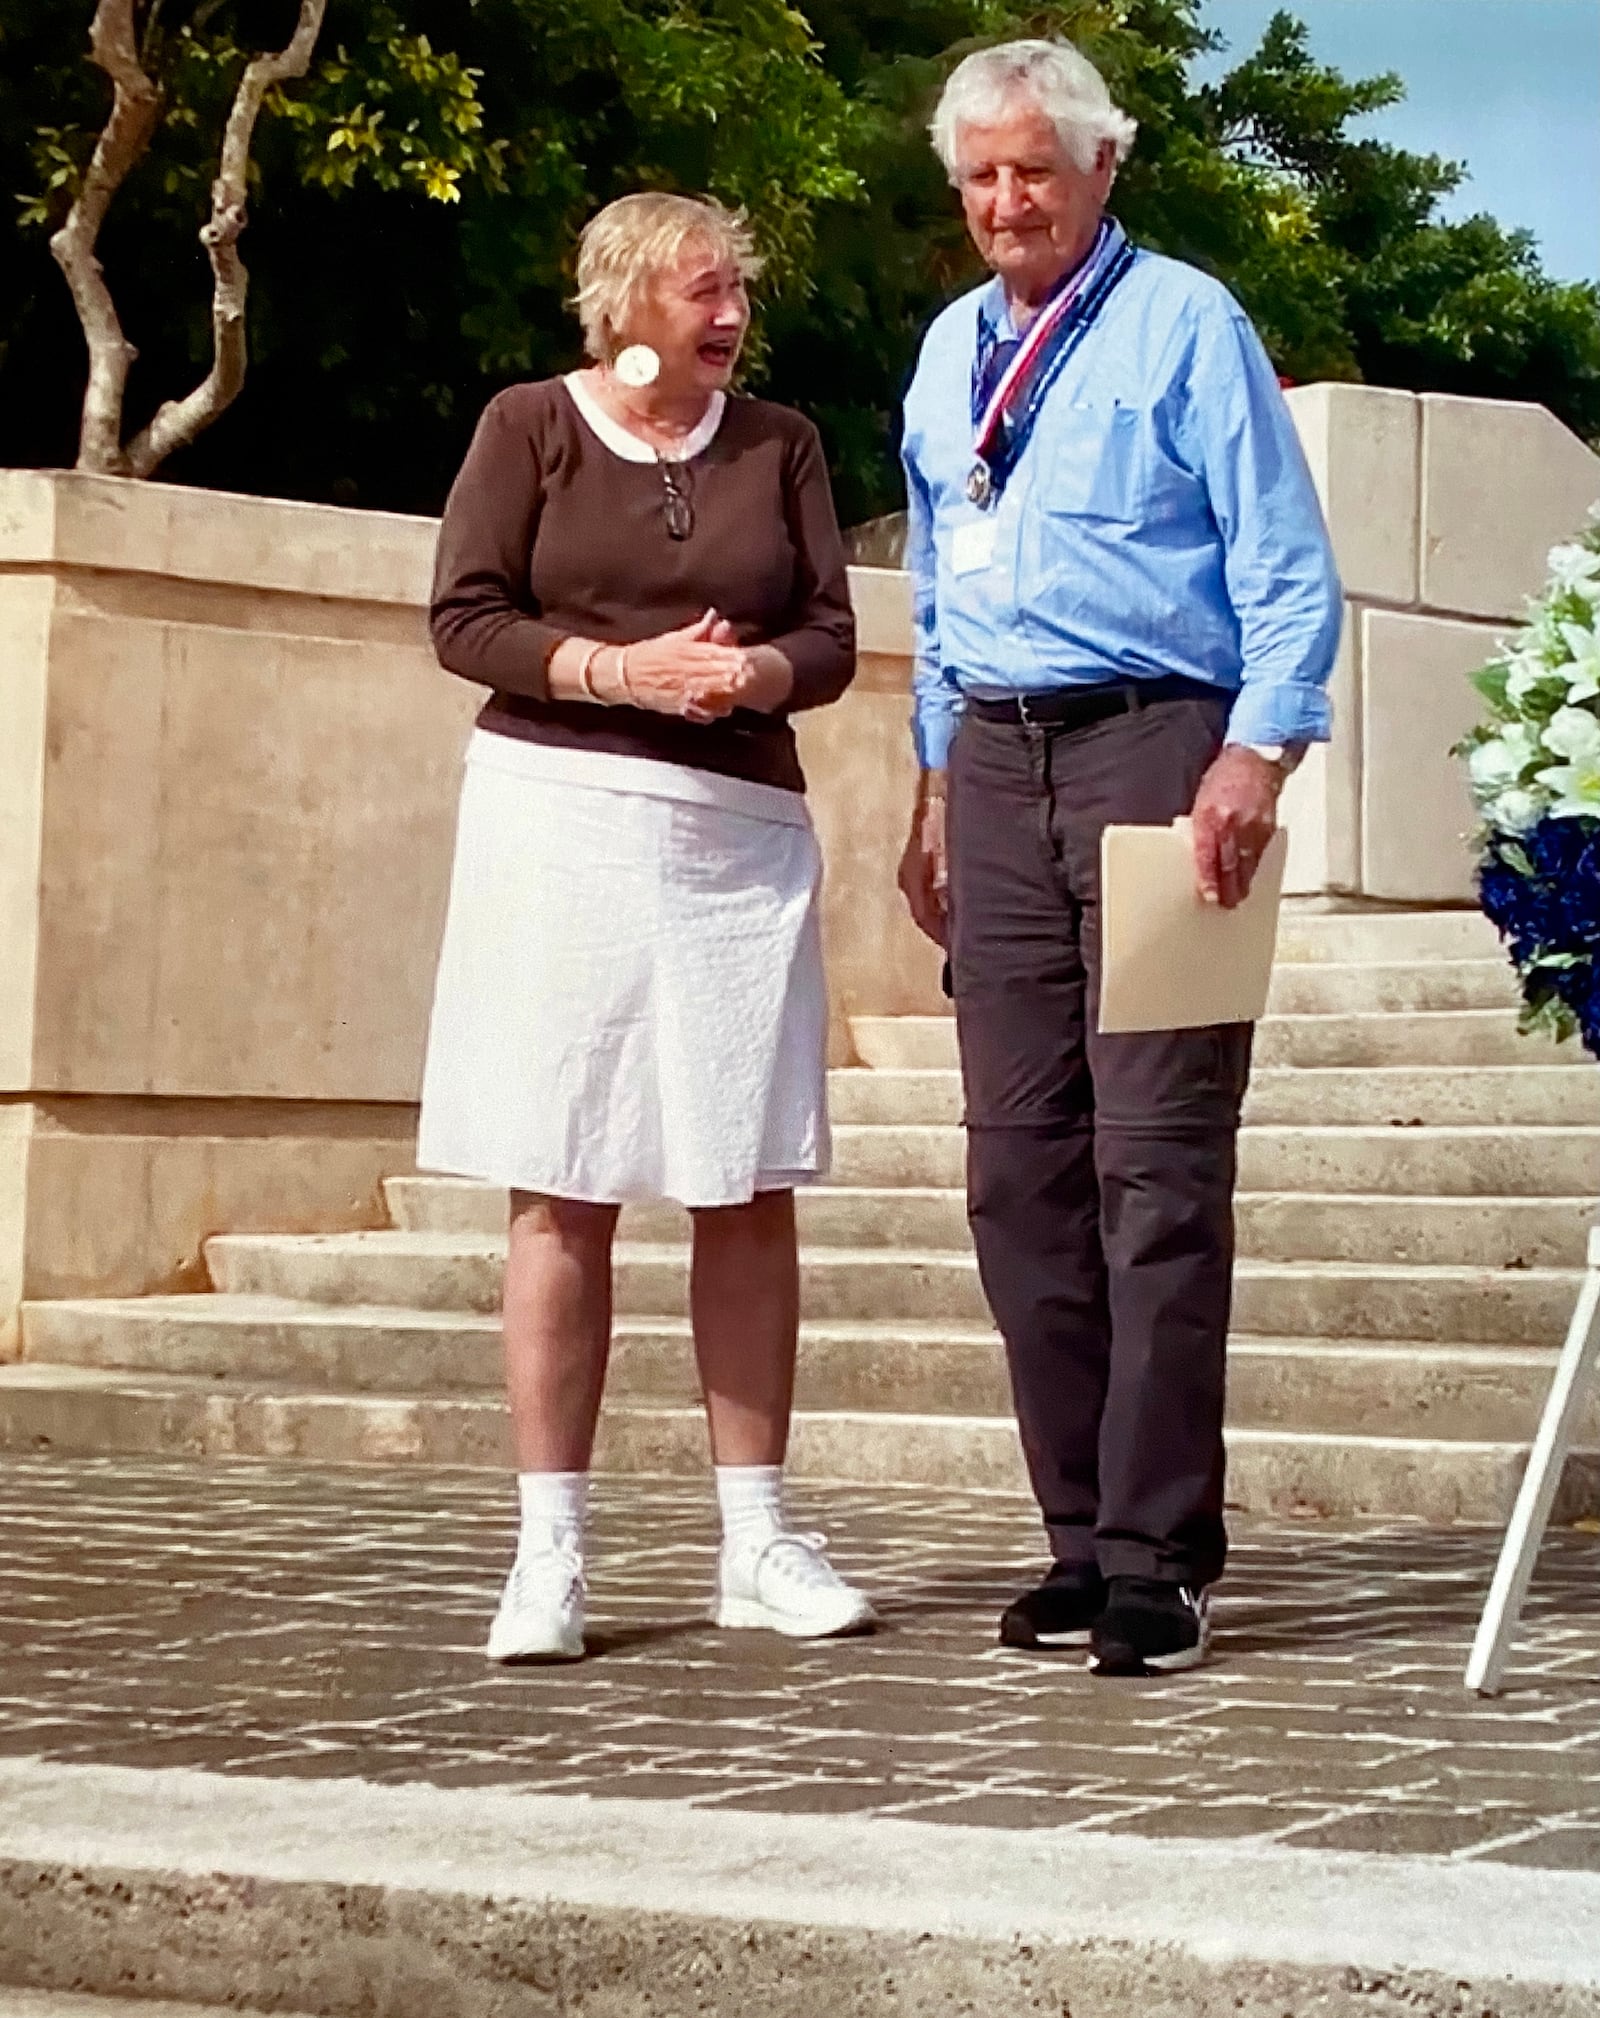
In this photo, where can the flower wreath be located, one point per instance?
(1534, 771)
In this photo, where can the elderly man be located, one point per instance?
(1126, 610)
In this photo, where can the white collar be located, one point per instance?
(621, 441)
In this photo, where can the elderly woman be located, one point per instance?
(647, 573)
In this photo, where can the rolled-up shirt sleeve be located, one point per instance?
(935, 698)
(485, 623)
(820, 641)
(1282, 582)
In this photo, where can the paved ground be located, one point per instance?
(291, 1621)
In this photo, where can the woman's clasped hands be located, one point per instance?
(696, 671)
(702, 672)
(699, 672)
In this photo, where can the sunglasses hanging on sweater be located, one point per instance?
(678, 502)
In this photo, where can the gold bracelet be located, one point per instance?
(622, 673)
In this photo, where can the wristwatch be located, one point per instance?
(1282, 757)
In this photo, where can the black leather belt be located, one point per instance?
(1077, 707)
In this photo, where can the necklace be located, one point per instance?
(661, 435)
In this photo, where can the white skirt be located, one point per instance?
(630, 1000)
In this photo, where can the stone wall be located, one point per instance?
(226, 791)
(227, 787)
(1441, 511)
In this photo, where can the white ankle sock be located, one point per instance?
(751, 1499)
(555, 1508)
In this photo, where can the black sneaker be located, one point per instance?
(1149, 1628)
(1059, 1613)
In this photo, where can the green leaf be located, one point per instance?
(1549, 1017)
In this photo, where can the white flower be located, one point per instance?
(1575, 790)
(1574, 733)
(1575, 569)
(1515, 811)
(1501, 761)
(1583, 674)
(1526, 667)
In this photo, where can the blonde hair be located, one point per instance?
(625, 246)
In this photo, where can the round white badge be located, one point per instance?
(638, 365)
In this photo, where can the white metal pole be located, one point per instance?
(1486, 1666)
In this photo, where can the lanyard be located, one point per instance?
(1003, 427)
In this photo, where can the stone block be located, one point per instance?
(882, 601)
(1321, 805)
(226, 801)
(862, 772)
(1416, 702)
(276, 545)
(1361, 443)
(1502, 483)
(227, 805)
(117, 1197)
(25, 604)
(15, 1128)
(222, 807)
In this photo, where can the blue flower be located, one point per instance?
(1541, 890)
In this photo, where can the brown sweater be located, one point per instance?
(548, 534)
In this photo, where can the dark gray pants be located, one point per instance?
(1100, 1170)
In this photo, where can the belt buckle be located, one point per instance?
(1027, 720)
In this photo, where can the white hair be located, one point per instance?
(1065, 86)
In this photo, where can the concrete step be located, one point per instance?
(1469, 1162)
(905, 1043)
(1440, 1096)
(1459, 1037)
(1500, 1161)
(1492, 1232)
(1453, 1037)
(1407, 1389)
(423, 1271)
(1344, 1387)
(355, 1349)
(936, 1369)
(1387, 937)
(1404, 987)
(78, 1410)
(828, 1216)
(1530, 1095)
(1319, 1299)
(856, 1094)
(1420, 1231)
(1443, 1305)
(331, 1894)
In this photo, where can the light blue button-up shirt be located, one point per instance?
(1161, 519)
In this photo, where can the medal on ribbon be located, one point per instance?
(1004, 420)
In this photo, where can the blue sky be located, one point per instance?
(1510, 87)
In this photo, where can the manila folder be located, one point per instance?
(1168, 959)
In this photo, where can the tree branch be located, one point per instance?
(178, 422)
(135, 113)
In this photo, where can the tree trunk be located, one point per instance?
(135, 114)
(178, 422)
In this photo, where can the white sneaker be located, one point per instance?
(541, 1609)
(788, 1585)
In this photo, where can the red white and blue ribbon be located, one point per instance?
(1007, 417)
